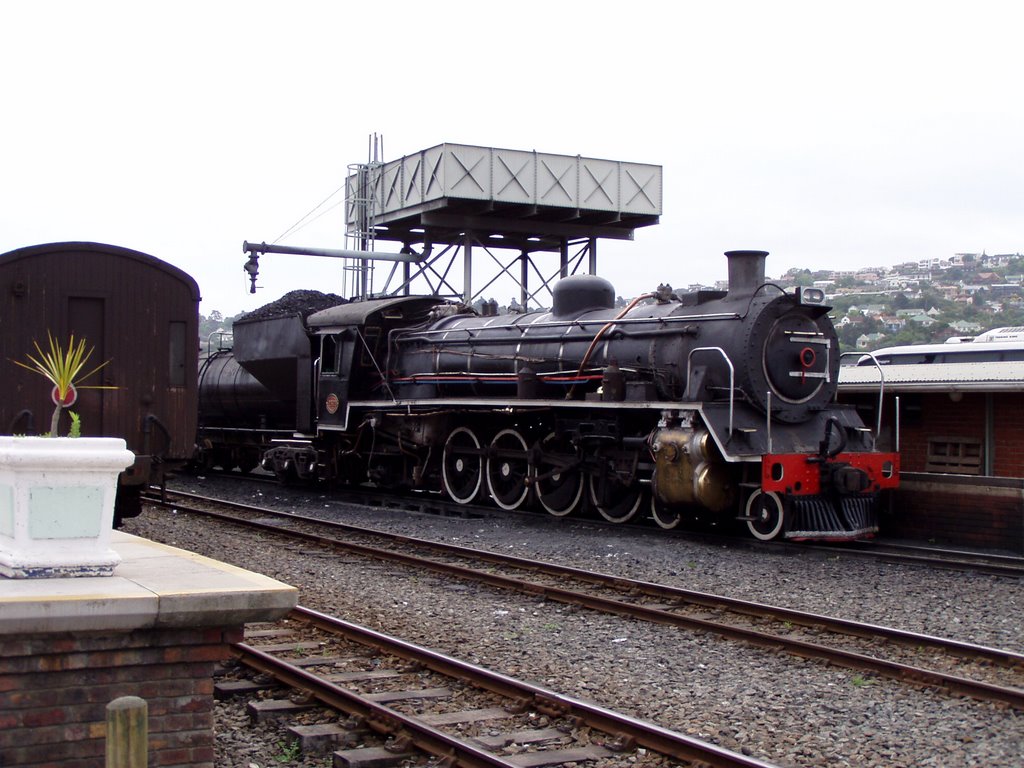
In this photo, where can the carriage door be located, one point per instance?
(85, 321)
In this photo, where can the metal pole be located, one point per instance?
(127, 732)
(467, 268)
(335, 253)
(989, 457)
(524, 279)
(897, 423)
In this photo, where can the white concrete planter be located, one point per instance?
(57, 505)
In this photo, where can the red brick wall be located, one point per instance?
(935, 415)
(927, 415)
(959, 510)
(987, 513)
(54, 690)
(1008, 430)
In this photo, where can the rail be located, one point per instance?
(631, 732)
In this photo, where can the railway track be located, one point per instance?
(992, 564)
(959, 668)
(415, 701)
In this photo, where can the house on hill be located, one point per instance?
(866, 340)
(965, 327)
(869, 310)
(892, 324)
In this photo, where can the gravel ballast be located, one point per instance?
(773, 706)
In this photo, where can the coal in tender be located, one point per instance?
(293, 303)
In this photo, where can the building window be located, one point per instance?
(954, 455)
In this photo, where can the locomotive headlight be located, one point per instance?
(814, 296)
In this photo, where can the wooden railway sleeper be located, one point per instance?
(384, 724)
(518, 705)
(621, 742)
(551, 707)
(399, 743)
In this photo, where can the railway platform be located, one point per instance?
(156, 629)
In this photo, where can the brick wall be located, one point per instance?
(934, 414)
(54, 689)
(1008, 428)
(959, 510)
(956, 510)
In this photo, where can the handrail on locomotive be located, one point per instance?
(732, 377)
(882, 390)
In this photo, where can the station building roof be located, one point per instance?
(1002, 376)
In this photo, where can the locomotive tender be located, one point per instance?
(715, 404)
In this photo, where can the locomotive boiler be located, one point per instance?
(706, 405)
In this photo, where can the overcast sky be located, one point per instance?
(833, 135)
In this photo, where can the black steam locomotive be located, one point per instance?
(707, 404)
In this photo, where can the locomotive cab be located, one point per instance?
(353, 352)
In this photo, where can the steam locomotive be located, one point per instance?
(705, 405)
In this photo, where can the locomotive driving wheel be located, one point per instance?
(665, 516)
(508, 467)
(559, 481)
(462, 466)
(765, 514)
(617, 502)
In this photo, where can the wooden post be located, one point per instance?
(127, 732)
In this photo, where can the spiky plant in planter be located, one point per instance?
(62, 366)
(57, 510)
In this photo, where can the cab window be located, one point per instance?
(329, 354)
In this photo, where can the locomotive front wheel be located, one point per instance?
(616, 502)
(665, 516)
(508, 467)
(765, 515)
(462, 467)
(559, 480)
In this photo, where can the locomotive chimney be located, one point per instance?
(746, 271)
